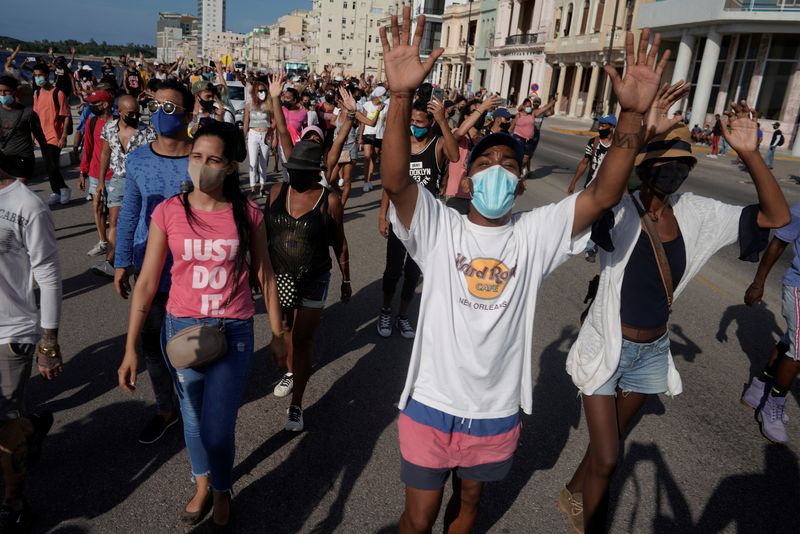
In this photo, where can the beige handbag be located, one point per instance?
(197, 345)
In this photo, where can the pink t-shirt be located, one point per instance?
(296, 120)
(524, 127)
(204, 256)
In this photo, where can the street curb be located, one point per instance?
(695, 148)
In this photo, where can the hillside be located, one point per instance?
(90, 48)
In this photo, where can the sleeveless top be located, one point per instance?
(300, 247)
(259, 118)
(424, 167)
(525, 126)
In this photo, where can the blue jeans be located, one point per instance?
(210, 397)
(770, 159)
(642, 368)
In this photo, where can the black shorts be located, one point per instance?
(371, 140)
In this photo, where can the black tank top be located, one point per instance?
(299, 247)
(425, 169)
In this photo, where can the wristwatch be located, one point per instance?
(49, 352)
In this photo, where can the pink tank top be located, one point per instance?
(525, 126)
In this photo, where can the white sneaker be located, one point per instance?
(341, 182)
(105, 268)
(285, 385)
(99, 249)
(53, 199)
(365, 188)
(294, 422)
(89, 197)
(66, 194)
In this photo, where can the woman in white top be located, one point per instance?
(622, 353)
(257, 122)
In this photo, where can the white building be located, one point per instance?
(432, 33)
(518, 65)
(732, 50)
(222, 44)
(173, 31)
(212, 19)
(344, 35)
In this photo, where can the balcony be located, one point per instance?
(522, 39)
(762, 5)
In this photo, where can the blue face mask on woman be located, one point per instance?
(6, 100)
(165, 124)
(493, 191)
(40, 80)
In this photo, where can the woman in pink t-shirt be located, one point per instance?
(524, 129)
(210, 233)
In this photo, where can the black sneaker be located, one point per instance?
(42, 422)
(16, 522)
(156, 428)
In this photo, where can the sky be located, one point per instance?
(124, 21)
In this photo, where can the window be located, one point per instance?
(584, 17)
(778, 70)
(557, 27)
(598, 17)
(743, 67)
(471, 31)
(344, 21)
(345, 5)
(568, 21)
(327, 50)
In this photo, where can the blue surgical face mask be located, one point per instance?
(529, 110)
(166, 124)
(493, 191)
(6, 100)
(418, 131)
(40, 80)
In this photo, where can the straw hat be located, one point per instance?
(674, 143)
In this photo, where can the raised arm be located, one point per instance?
(448, 146)
(743, 138)
(636, 94)
(547, 108)
(472, 119)
(275, 90)
(349, 106)
(10, 59)
(404, 73)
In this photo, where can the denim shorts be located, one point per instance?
(93, 183)
(115, 189)
(791, 312)
(642, 368)
(527, 144)
(314, 292)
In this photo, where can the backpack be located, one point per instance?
(57, 105)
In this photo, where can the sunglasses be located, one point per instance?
(168, 107)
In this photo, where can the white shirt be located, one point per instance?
(706, 225)
(472, 352)
(371, 112)
(28, 252)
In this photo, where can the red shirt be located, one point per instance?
(93, 149)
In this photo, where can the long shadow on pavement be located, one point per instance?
(342, 427)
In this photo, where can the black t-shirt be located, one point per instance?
(134, 81)
(717, 129)
(63, 79)
(17, 126)
(596, 156)
(107, 70)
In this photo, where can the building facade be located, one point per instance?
(518, 66)
(256, 50)
(224, 46)
(212, 19)
(732, 50)
(344, 35)
(487, 21)
(466, 27)
(585, 35)
(174, 33)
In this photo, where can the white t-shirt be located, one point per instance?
(371, 112)
(472, 352)
(28, 252)
(380, 127)
(313, 118)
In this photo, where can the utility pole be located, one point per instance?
(601, 104)
(366, 32)
(466, 52)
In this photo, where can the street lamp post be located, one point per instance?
(601, 104)
(366, 32)
(466, 52)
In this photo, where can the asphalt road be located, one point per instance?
(695, 463)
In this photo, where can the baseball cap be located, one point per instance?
(314, 129)
(99, 96)
(201, 85)
(608, 119)
(86, 67)
(378, 92)
(495, 139)
(502, 113)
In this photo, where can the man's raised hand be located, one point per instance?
(639, 86)
(405, 71)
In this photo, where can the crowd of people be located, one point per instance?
(160, 147)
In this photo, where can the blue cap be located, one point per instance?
(608, 119)
(502, 113)
(499, 138)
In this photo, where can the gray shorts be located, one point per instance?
(16, 360)
(115, 188)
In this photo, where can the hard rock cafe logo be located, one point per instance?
(486, 277)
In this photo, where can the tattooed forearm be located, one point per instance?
(143, 309)
(49, 337)
(630, 140)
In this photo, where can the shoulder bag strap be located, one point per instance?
(658, 251)
(13, 130)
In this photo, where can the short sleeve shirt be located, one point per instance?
(204, 261)
(791, 234)
(596, 157)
